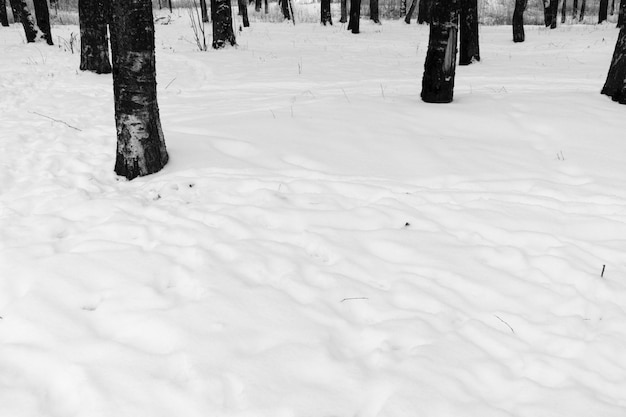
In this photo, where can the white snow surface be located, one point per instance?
(322, 242)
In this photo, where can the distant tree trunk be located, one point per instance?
(603, 10)
(440, 65)
(424, 11)
(204, 11)
(326, 15)
(284, 5)
(583, 5)
(42, 15)
(550, 11)
(563, 11)
(140, 142)
(355, 15)
(94, 40)
(469, 50)
(615, 85)
(621, 17)
(243, 11)
(374, 11)
(4, 18)
(518, 20)
(266, 6)
(612, 11)
(574, 9)
(409, 14)
(222, 18)
(30, 30)
(344, 11)
(15, 9)
(169, 3)
(402, 7)
(257, 5)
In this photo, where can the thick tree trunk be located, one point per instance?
(621, 14)
(221, 15)
(409, 14)
(574, 9)
(204, 11)
(603, 10)
(583, 5)
(424, 11)
(355, 15)
(30, 30)
(94, 40)
(344, 11)
(563, 11)
(42, 15)
(140, 142)
(284, 6)
(326, 15)
(615, 85)
(374, 15)
(15, 9)
(243, 12)
(550, 12)
(518, 20)
(4, 18)
(440, 65)
(469, 50)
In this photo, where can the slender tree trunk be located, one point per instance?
(424, 11)
(169, 3)
(355, 15)
(30, 30)
(326, 15)
(603, 10)
(563, 11)
(583, 5)
(243, 11)
(42, 15)
(344, 11)
(409, 14)
(266, 7)
(550, 11)
(374, 11)
(4, 18)
(284, 5)
(621, 17)
(221, 15)
(402, 7)
(518, 20)
(615, 85)
(94, 40)
(574, 9)
(140, 142)
(440, 65)
(204, 11)
(15, 9)
(469, 50)
(612, 10)
(257, 5)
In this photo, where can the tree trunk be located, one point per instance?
(284, 5)
(603, 10)
(266, 6)
(243, 12)
(374, 15)
(583, 5)
(221, 15)
(409, 14)
(355, 15)
(204, 11)
(140, 142)
(440, 65)
(15, 9)
(550, 12)
(257, 5)
(563, 11)
(169, 3)
(94, 40)
(518, 20)
(4, 18)
(612, 10)
(574, 9)
(326, 15)
(402, 7)
(42, 15)
(621, 16)
(424, 11)
(344, 11)
(615, 85)
(469, 50)
(30, 30)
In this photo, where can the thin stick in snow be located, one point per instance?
(354, 298)
(56, 120)
(602, 274)
(508, 325)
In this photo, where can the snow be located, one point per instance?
(322, 243)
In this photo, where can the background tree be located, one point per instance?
(94, 40)
(615, 85)
(326, 15)
(518, 20)
(621, 13)
(284, 5)
(140, 142)
(469, 50)
(4, 18)
(550, 12)
(30, 30)
(42, 15)
(344, 11)
(603, 10)
(424, 11)
(15, 9)
(409, 14)
(243, 12)
(204, 10)
(574, 9)
(374, 12)
(440, 64)
(222, 17)
(583, 5)
(257, 5)
(563, 11)
(355, 15)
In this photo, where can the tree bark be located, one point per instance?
(243, 12)
(15, 9)
(42, 15)
(266, 6)
(583, 5)
(574, 9)
(615, 85)
(30, 30)
(284, 5)
(222, 17)
(326, 15)
(344, 11)
(94, 40)
(612, 10)
(469, 50)
(518, 20)
(550, 11)
(409, 14)
(204, 11)
(374, 14)
(257, 5)
(424, 11)
(603, 10)
(140, 142)
(563, 11)
(621, 16)
(440, 65)
(4, 18)
(355, 16)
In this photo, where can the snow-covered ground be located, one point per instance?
(322, 243)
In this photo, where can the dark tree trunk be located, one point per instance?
(42, 15)
(355, 15)
(612, 11)
(469, 50)
(518, 20)
(402, 7)
(169, 3)
(409, 14)
(221, 15)
(603, 10)
(204, 11)
(94, 40)
(374, 11)
(550, 12)
(140, 143)
(574, 9)
(440, 65)
(326, 15)
(615, 85)
(27, 20)
(563, 11)
(4, 18)
(257, 5)
(243, 12)
(583, 5)
(424, 11)
(266, 6)
(284, 5)
(621, 13)
(344, 11)
(15, 9)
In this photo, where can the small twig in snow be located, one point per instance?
(56, 120)
(382, 90)
(170, 83)
(602, 274)
(508, 325)
(354, 298)
(345, 95)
